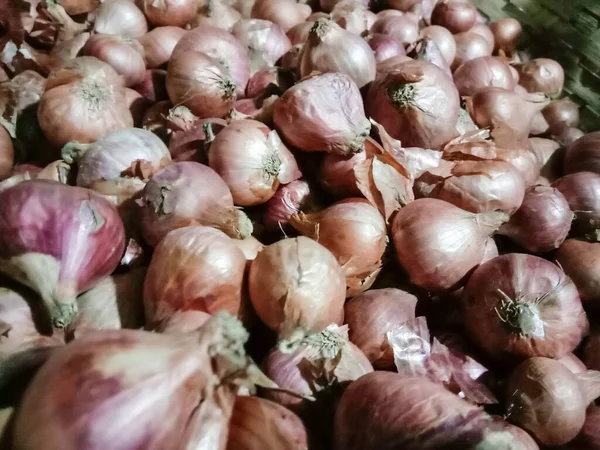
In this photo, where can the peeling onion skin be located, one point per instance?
(194, 268)
(539, 315)
(443, 39)
(287, 201)
(581, 262)
(59, 240)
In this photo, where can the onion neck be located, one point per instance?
(320, 29)
(272, 165)
(402, 95)
(357, 144)
(590, 385)
(491, 221)
(240, 226)
(328, 343)
(228, 88)
(95, 94)
(521, 317)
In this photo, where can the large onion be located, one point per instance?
(159, 44)
(120, 17)
(582, 191)
(456, 16)
(581, 262)
(542, 75)
(506, 34)
(175, 13)
(584, 154)
(483, 72)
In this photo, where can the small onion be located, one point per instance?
(265, 41)
(310, 306)
(399, 27)
(218, 14)
(483, 72)
(194, 268)
(385, 47)
(323, 113)
(506, 34)
(443, 39)
(561, 113)
(456, 16)
(519, 305)
(542, 75)
(287, 201)
(581, 262)
(483, 30)
(438, 244)
(159, 44)
(252, 160)
(469, 45)
(285, 13)
(7, 153)
(584, 154)
(187, 193)
(120, 17)
(582, 191)
(169, 12)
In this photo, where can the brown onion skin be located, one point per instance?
(506, 34)
(401, 28)
(542, 222)
(286, 13)
(371, 315)
(7, 153)
(169, 12)
(581, 262)
(159, 44)
(582, 191)
(551, 327)
(385, 47)
(456, 16)
(483, 72)
(542, 75)
(584, 154)
(194, 268)
(260, 424)
(120, 17)
(443, 39)
(469, 45)
(546, 399)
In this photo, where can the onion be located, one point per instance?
(483, 72)
(584, 154)
(548, 400)
(506, 34)
(287, 201)
(542, 75)
(259, 424)
(581, 262)
(200, 83)
(385, 410)
(385, 47)
(582, 191)
(265, 41)
(519, 305)
(189, 379)
(220, 45)
(329, 6)
(568, 135)
(330, 48)
(469, 45)
(573, 363)
(309, 306)
(403, 5)
(159, 44)
(218, 14)
(353, 16)
(588, 438)
(194, 268)
(153, 88)
(59, 240)
(422, 232)
(120, 17)
(371, 315)
(456, 16)
(269, 81)
(483, 30)
(337, 174)
(298, 34)
(252, 160)
(415, 102)
(83, 67)
(175, 13)
(188, 193)
(285, 13)
(323, 113)
(443, 39)
(7, 153)
(547, 153)
(184, 321)
(561, 113)
(426, 49)
(402, 28)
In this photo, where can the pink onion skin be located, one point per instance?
(385, 47)
(426, 49)
(298, 34)
(581, 262)
(399, 27)
(469, 45)
(582, 191)
(219, 14)
(74, 233)
(506, 34)
(443, 39)
(542, 222)
(159, 45)
(7, 153)
(584, 154)
(323, 113)
(568, 135)
(456, 16)
(483, 72)
(524, 159)
(561, 113)
(417, 86)
(588, 438)
(120, 17)
(175, 13)
(287, 201)
(285, 13)
(547, 153)
(194, 268)
(542, 75)
(371, 315)
(483, 30)
(551, 327)
(337, 174)
(422, 231)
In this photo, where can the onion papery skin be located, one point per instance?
(416, 102)
(287, 201)
(581, 262)
(542, 222)
(422, 231)
(385, 47)
(175, 13)
(184, 321)
(542, 75)
(584, 154)
(469, 45)
(219, 14)
(188, 193)
(120, 17)
(426, 49)
(337, 174)
(194, 268)
(84, 67)
(402, 28)
(371, 315)
(309, 307)
(568, 135)
(59, 240)
(443, 39)
(547, 153)
(7, 153)
(266, 42)
(159, 45)
(520, 306)
(286, 13)
(298, 34)
(260, 424)
(456, 16)
(330, 48)
(582, 191)
(252, 160)
(483, 72)
(323, 113)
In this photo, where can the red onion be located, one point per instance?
(483, 30)
(7, 153)
(522, 306)
(175, 13)
(402, 28)
(542, 75)
(159, 44)
(456, 16)
(506, 34)
(561, 113)
(194, 268)
(190, 380)
(298, 34)
(582, 191)
(438, 244)
(324, 112)
(287, 201)
(415, 102)
(59, 240)
(265, 41)
(584, 154)
(259, 424)
(187, 193)
(190, 136)
(371, 315)
(385, 47)
(548, 400)
(443, 39)
(353, 16)
(218, 14)
(120, 17)
(285, 13)
(337, 174)
(547, 153)
(252, 160)
(483, 72)
(469, 45)
(330, 48)
(426, 49)
(223, 47)
(310, 306)
(581, 262)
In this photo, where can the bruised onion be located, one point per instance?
(330, 48)
(159, 44)
(194, 268)
(519, 305)
(59, 240)
(542, 75)
(385, 47)
(456, 16)
(188, 193)
(120, 17)
(252, 160)
(285, 13)
(309, 306)
(218, 14)
(323, 113)
(584, 154)
(581, 262)
(287, 201)
(7, 153)
(443, 39)
(483, 72)
(169, 12)
(265, 41)
(438, 244)
(506, 34)
(469, 45)
(582, 191)
(401, 27)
